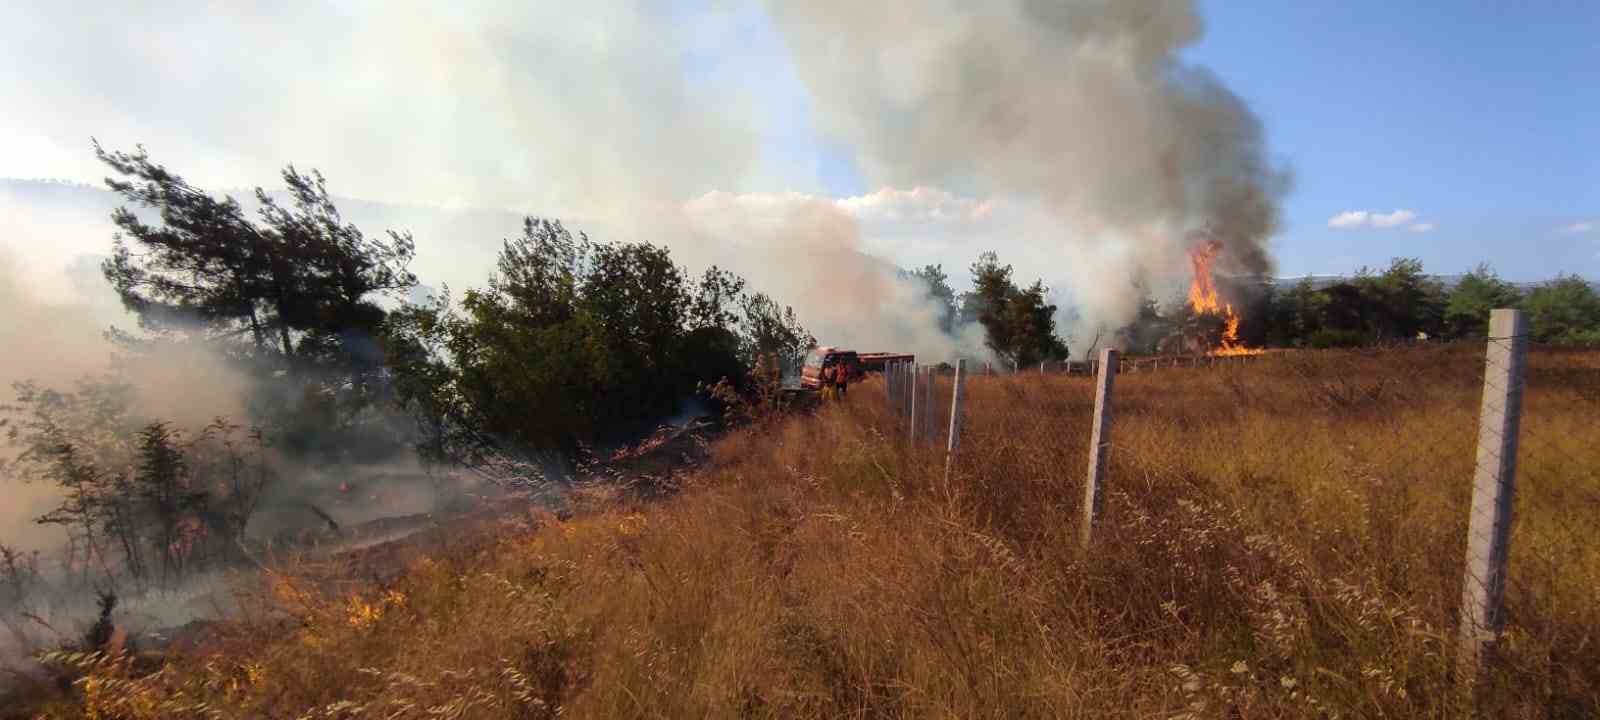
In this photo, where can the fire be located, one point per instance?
(1203, 298)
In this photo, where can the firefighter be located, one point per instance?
(841, 378)
(830, 374)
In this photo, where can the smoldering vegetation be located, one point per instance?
(244, 378)
(272, 381)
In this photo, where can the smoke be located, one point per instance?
(807, 251)
(53, 343)
(58, 339)
(1083, 108)
(1081, 116)
(483, 103)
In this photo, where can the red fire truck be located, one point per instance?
(856, 364)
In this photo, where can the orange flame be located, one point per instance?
(1203, 298)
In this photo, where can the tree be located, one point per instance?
(1032, 320)
(1296, 314)
(991, 286)
(1401, 302)
(202, 265)
(1564, 311)
(321, 272)
(771, 331)
(716, 298)
(1346, 318)
(163, 483)
(1150, 327)
(1466, 313)
(639, 303)
(300, 283)
(1019, 325)
(602, 339)
(129, 485)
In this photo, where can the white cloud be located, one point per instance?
(1579, 228)
(1398, 217)
(1351, 219)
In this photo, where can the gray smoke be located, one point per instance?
(1084, 108)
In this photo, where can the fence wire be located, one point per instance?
(1365, 461)
(1550, 613)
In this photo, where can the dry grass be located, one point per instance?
(1279, 540)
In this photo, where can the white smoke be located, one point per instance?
(1081, 117)
(807, 252)
(1084, 108)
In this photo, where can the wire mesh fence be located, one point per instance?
(1548, 612)
(1398, 488)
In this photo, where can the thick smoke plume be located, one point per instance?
(1084, 107)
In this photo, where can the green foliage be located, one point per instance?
(1402, 303)
(1564, 311)
(1467, 312)
(165, 488)
(599, 338)
(298, 281)
(1019, 324)
(1297, 314)
(770, 331)
(291, 297)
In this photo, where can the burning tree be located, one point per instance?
(1212, 325)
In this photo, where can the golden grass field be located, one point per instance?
(1281, 539)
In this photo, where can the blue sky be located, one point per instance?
(1481, 118)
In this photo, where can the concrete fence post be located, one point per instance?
(911, 426)
(1099, 444)
(954, 439)
(1493, 485)
(900, 389)
(927, 405)
(911, 391)
(888, 385)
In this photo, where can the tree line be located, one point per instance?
(570, 342)
(1373, 306)
(1398, 303)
